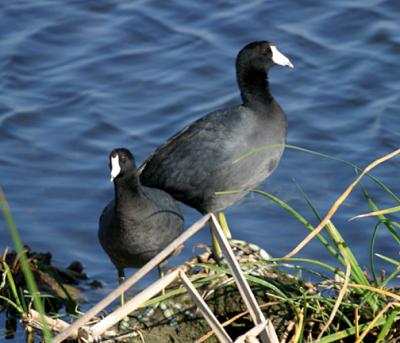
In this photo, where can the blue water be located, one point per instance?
(79, 78)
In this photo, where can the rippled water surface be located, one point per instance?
(79, 78)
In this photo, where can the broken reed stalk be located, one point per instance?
(253, 333)
(73, 328)
(215, 325)
(96, 330)
(267, 336)
(338, 202)
(33, 319)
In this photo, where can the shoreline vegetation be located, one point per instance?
(244, 298)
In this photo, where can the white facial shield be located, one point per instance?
(279, 58)
(115, 168)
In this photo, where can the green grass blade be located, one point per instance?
(396, 224)
(349, 332)
(316, 153)
(330, 302)
(30, 280)
(338, 240)
(308, 201)
(198, 281)
(340, 243)
(387, 326)
(22, 294)
(258, 281)
(371, 253)
(354, 166)
(306, 260)
(292, 211)
(248, 277)
(314, 209)
(303, 323)
(13, 287)
(300, 270)
(381, 217)
(376, 213)
(388, 259)
(166, 296)
(13, 304)
(356, 271)
(393, 275)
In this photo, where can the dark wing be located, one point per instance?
(162, 204)
(184, 164)
(105, 225)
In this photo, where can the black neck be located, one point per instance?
(254, 86)
(126, 187)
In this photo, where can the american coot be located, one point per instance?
(205, 157)
(140, 221)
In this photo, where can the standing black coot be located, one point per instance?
(205, 157)
(140, 221)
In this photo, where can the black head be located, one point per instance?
(121, 163)
(261, 55)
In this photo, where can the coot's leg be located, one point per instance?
(216, 248)
(225, 228)
(121, 279)
(176, 252)
(161, 273)
(224, 225)
(159, 267)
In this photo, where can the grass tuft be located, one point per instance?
(30, 280)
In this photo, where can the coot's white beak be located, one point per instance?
(115, 168)
(279, 58)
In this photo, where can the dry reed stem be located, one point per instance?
(114, 317)
(73, 328)
(289, 328)
(5, 252)
(244, 289)
(376, 290)
(338, 202)
(356, 323)
(215, 325)
(339, 298)
(372, 323)
(299, 326)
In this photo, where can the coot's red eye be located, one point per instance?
(265, 50)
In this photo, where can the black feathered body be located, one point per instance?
(136, 226)
(208, 156)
